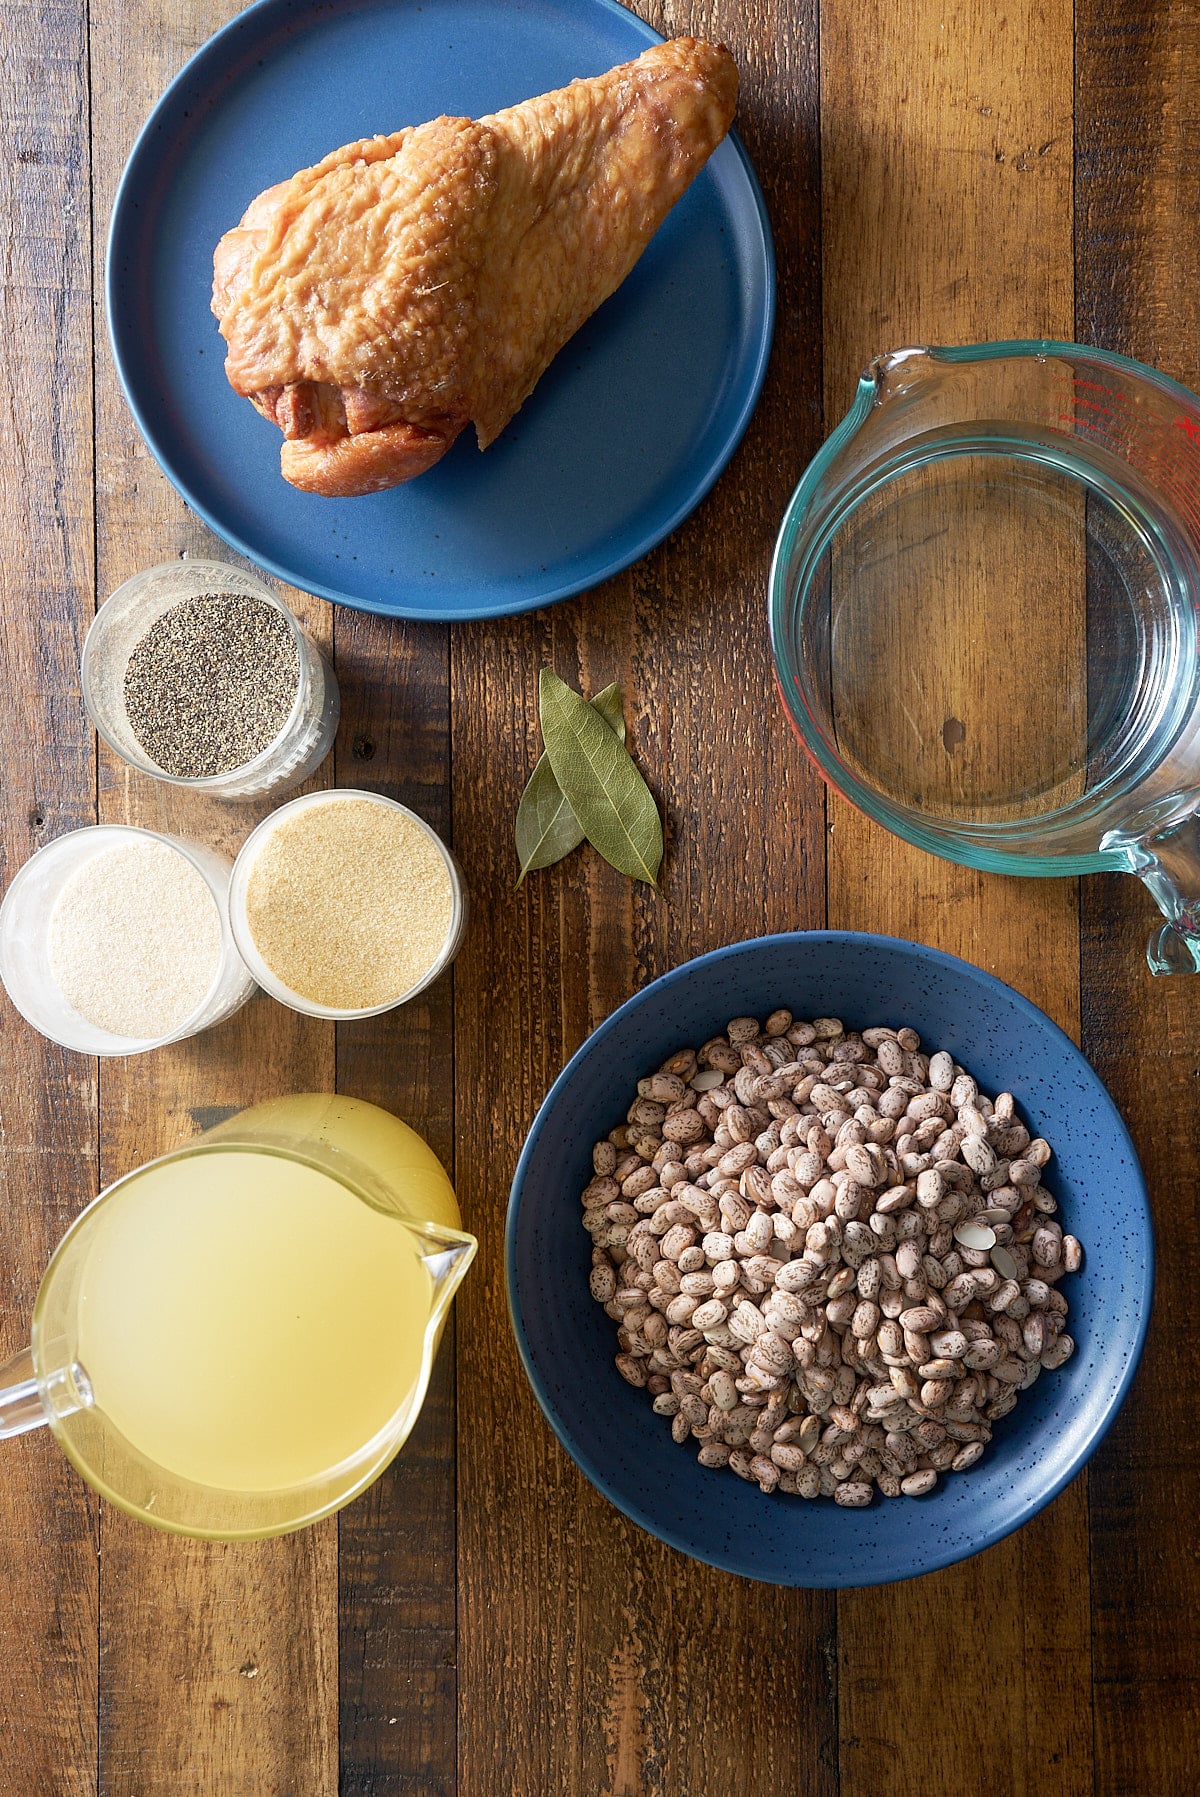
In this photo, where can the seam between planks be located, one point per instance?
(1076, 264)
(338, 1769)
(831, 1652)
(90, 602)
(452, 1330)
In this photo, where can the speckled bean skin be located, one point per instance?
(842, 1295)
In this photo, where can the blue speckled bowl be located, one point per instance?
(567, 1343)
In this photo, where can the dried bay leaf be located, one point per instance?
(612, 803)
(546, 828)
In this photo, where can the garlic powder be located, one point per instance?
(349, 903)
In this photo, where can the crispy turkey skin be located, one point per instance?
(409, 285)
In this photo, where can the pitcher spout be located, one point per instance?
(446, 1254)
(898, 371)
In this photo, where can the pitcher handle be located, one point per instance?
(1165, 855)
(27, 1401)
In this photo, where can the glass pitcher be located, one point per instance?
(235, 1339)
(985, 602)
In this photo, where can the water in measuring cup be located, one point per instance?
(1003, 634)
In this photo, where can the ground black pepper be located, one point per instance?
(211, 684)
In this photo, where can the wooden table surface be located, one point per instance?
(482, 1622)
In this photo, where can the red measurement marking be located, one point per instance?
(1093, 426)
(1190, 426)
(1083, 386)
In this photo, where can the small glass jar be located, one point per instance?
(25, 943)
(270, 982)
(120, 625)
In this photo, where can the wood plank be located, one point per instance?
(595, 1660)
(592, 1658)
(519, 1554)
(398, 1603)
(1138, 275)
(946, 170)
(219, 1664)
(49, 1571)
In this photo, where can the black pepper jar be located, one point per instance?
(187, 685)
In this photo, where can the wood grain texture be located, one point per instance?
(482, 1622)
(947, 158)
(1138, 291)
(398, 1547)
(592, 1658)
(219, 1663)
(587, 1650)
(49, 1572)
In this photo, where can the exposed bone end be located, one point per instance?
(347, 467)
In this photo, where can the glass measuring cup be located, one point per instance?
(984, 613)
(237, 1338)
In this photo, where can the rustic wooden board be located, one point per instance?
(1138, 275)
(596, 1670)
(398, 1547)
(591, 1658)
(49, 1572)
(219, 1664)
(482, 1621)
(946, 175)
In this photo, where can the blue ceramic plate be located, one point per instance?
(626, 431)
(567, 1342)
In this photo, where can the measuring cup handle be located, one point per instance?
(26, 1402)
(1167, 860)
(21, 1406)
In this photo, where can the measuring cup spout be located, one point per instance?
(900, 371)
(447, 1253)
(1166, 857)
(27, 1401)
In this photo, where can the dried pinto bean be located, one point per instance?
(830, 1258)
